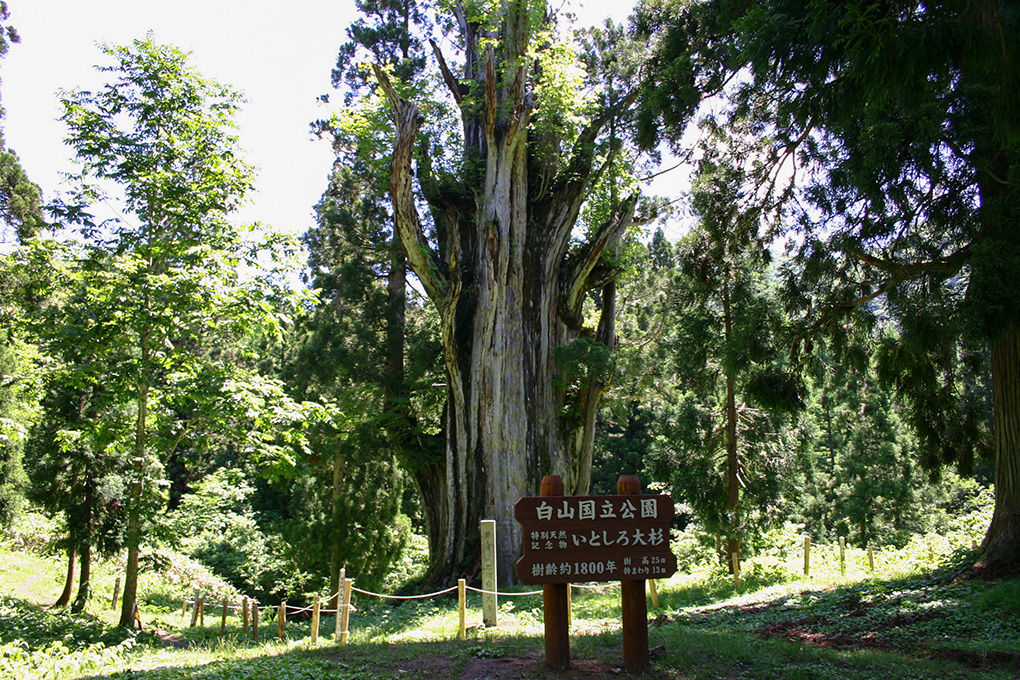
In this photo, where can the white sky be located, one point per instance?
(279, 55)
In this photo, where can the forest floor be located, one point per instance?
(921, 621)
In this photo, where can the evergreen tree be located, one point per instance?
(735, 392)
(913, 152)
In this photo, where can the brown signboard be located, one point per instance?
(594, 538)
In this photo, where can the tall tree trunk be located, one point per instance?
(732, 457)
(335, 555)
(85, 579)
(1002, 542)
(134, 519)
(65, 594)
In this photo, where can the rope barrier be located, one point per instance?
(403, 597)
(499, 594)
(298, 610)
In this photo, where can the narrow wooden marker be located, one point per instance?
(245, 615)
(339, 606)
(223, 618)
(654, 593)
(281, 620)
(462, 608)
(842, 555)
(255, 622)
(116, 593)
(871, 559)
(345, 617)
(555, 601)
(807, 555)
(490, 605)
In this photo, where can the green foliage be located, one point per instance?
(216, 525)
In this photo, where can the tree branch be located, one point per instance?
(420, 255)
(578, 277)
(451, 81)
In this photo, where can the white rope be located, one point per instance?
(404, 597)
(496, 592)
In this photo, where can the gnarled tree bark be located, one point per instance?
(509, 289)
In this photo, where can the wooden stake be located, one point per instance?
(116, 593)
(339, 607)
(842, 555)
(555, 601)
(223, 618)
(490, 606)
(255, 622)
(194, 613)
(281, 621)
(654, 593)
(244, 615)
(315, 620)
(871, 559)
(632, 602)
(807, 555)
(462, 608)
(345, 618)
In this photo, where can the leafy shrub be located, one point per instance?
(33, 531)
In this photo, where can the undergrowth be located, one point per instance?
(915, 616)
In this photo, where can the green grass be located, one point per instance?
(914, 620)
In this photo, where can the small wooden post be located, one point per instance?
(315, 620)
(632, 601)
(194, 612)
(842, 555)
(654, 593)
(570, 605)
(116, 593)
(555, 601)
(281, 621)
(462, 608)
(184, 607)
(871, 559)
(345, 617)
(490, 605)
(223, 618)
(735, 561)
(807, 555)
(339, 606)
(244, 615)
(255, 622)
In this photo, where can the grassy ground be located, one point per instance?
(914, 618)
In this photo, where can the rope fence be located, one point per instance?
(252, 613)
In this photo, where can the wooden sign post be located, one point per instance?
(595, 538)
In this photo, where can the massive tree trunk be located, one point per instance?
(509, 290)
(1002, 542)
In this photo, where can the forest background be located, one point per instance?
(814, 354)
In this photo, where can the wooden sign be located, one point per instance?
(594, 538)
